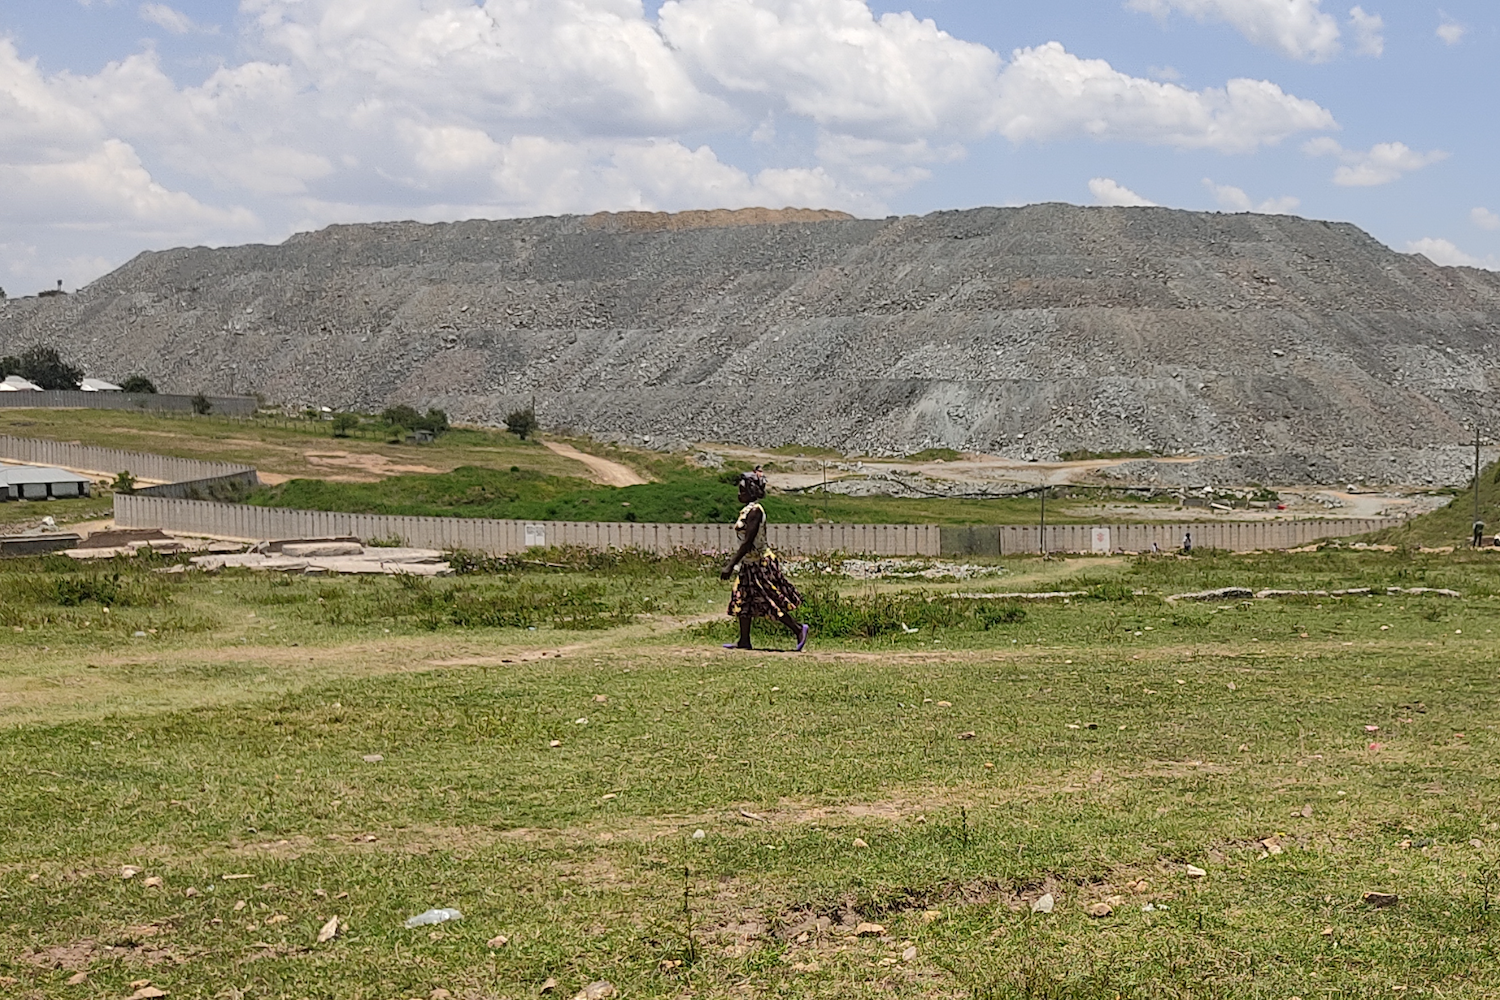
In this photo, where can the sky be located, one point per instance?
(129, 126)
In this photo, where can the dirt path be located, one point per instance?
(601, 470)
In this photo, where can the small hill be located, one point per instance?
(1453, 524)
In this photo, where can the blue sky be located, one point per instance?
(127, 126)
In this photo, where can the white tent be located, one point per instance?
(98, 385)
(15, 383)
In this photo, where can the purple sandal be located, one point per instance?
(802, 639)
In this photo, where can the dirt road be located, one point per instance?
(601, 470)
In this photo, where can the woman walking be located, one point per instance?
(761, 590)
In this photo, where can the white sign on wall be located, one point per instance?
(536, 536)
(1101, 540)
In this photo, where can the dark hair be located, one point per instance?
(753, 484)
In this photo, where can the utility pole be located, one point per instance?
(1478, 525)
(1043, 542)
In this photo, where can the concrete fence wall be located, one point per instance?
(230, 486)
(151, 402)
(108, 461)
(500, 537)
(1234, 536)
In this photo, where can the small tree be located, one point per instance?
(436, 421)
(138, 383)
(44, 366)
(403, 417)
(202, 405)
(522, 423)
(343, 423)
(124, 483)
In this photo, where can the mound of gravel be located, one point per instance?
(1299, 351)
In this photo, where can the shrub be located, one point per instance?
(343, 423)
(44, 366)
(138, 383)
(522, 423)
(124, 483)
(406, 418)
(836, 615)
(202, 405)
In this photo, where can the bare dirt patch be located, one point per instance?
(368, 466)
(601, 470)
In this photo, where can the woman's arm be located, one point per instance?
(752, 525)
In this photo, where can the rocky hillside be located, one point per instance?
(1301, 351)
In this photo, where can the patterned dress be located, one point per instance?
(761, 591)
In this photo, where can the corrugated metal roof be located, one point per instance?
(15, 383)
(15, 475)
(98, 385)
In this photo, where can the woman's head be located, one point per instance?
(752, 486)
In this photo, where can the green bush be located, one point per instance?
(839, 616)
(138, 383)
(522, 423)
(43, 366)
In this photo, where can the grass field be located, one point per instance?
(681, 495)
(272, 753)
(283, 448)
(475, 472)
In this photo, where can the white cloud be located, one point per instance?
(167, 18)
(837, 64)
(107, 186)
(1368, 29)
(1168, 73)
(1445, 253)
(1382, 163)
(1048, 93)
(1110, 192)
(1297, 29)
(434, 109)
(895, 78)
(1485, 219)
(1451, 32)
(1233, 199)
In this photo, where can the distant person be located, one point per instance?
(1187, 543)
(1478, 534)
(1155, 549)
(761, 591)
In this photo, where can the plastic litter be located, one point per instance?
(433, 917)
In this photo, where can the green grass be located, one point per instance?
(935, 455)
(680, 496)
(1116, 740)
(1081, 455)
(17, 515)
(1453, 524)
(280, 446)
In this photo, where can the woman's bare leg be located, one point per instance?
(745, 631)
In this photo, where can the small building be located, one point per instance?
(98, 385)
(15, 383)
(31, 482)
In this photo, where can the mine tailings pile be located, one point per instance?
(1297, 351)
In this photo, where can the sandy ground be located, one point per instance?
(1302, 502)
(601, 470)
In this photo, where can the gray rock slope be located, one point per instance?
(1299, 350)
